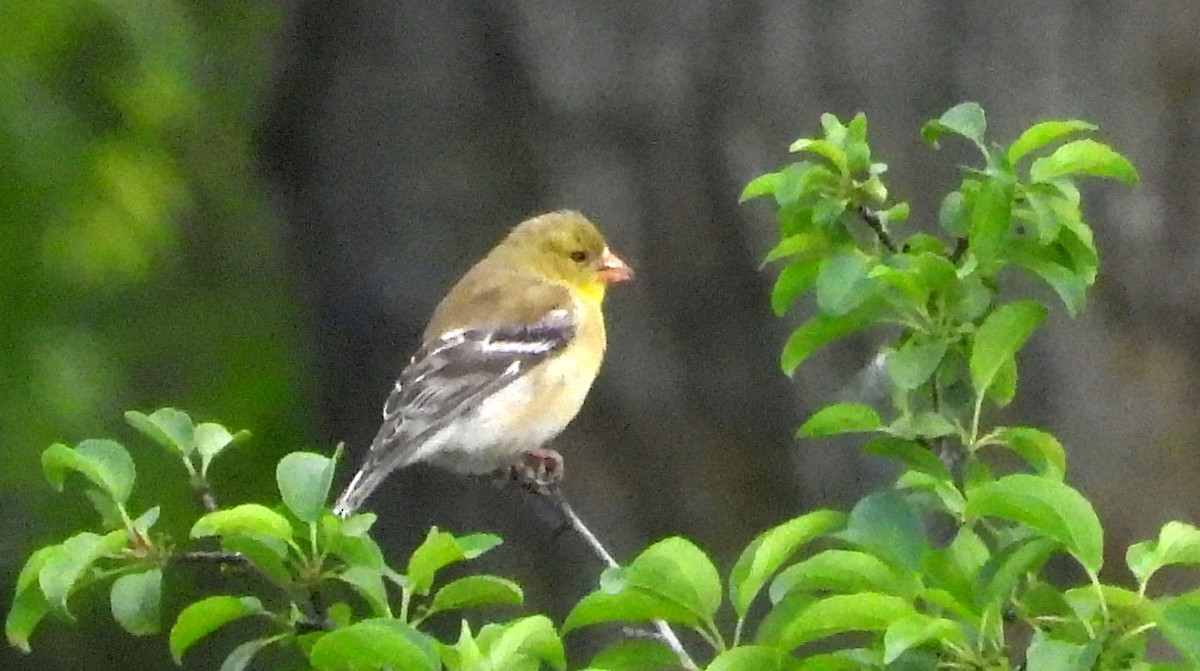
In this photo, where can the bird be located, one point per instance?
(505, 362)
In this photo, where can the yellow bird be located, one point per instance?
(505, 362)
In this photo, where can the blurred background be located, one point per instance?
(248, 210)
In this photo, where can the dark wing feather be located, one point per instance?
(450, 375)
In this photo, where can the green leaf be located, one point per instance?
(825, 149)
(29, 605)
(206, 616)
(362, 551)
(136, 599)
(440, 549)
(911, 453)
(304, 479)
(806, 242)
(895, 214)
(1052, 508)
(965, 119)
(104, 462)
(475, 591)
(628, 605)
(749, 658)
(844, 571)
(1039, 449)
(969, 298)
(840, 418)
(767, 553)
(266, 553)
(912, 364)
(249, 518)
(531, 638)
(916, 630)
(763, 185)
(635, 655)
(954, 567)
(794, 280)
(1178, 543)
(374, 644)
(922, 425)
(1180, 625)
(168, 427)
(357, 525)
(801, 182)
(838, 614)
(65, 567)
(885, 524)
(843, 284)
(820, 331)
(1048, 654)
(1070, 287)
(1004, 386)
(242, 655)
(996, 581)
(1043, 133)
(953, 215)
(678, 571)
(368, 583)
(990, 218)
(211, 439)
(1083, 157)
(465, 655)
(999, 338)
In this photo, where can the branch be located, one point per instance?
(315, 618)
(960, 248)
(872, 219)
(204, 492)
(665, 634)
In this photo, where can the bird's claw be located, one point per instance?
(537, 469)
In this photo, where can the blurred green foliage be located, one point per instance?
(139, 262)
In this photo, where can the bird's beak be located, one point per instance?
(613, 269)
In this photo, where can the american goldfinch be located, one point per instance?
(505, 362)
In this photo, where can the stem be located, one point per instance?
(737, 631)
(405, 601)
(666, 634)
(706, 630)
(203, 491)
(975, 422)
(960, 248)
(872, 219)
(315, 617)
(1095, 578)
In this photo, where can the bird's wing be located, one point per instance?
(451, 374)
(500, 339)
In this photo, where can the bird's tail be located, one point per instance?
(361, 487)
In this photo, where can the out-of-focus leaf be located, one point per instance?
(206, 616)
(1049, 506)
(840, 418)
(136, 599)
(768, 552)
(248, 518)
(104, 462)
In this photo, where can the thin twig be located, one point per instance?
(204, 492)
(553, 494)
(960, 248)
(315, 618)
(872, 219)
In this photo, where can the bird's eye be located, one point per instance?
(579, 256)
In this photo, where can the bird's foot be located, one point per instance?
(538, 469)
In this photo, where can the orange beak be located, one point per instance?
(613, 269)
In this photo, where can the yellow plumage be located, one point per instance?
(506, 360)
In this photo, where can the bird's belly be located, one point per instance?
(512, 420)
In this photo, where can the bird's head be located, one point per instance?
(568, 248)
